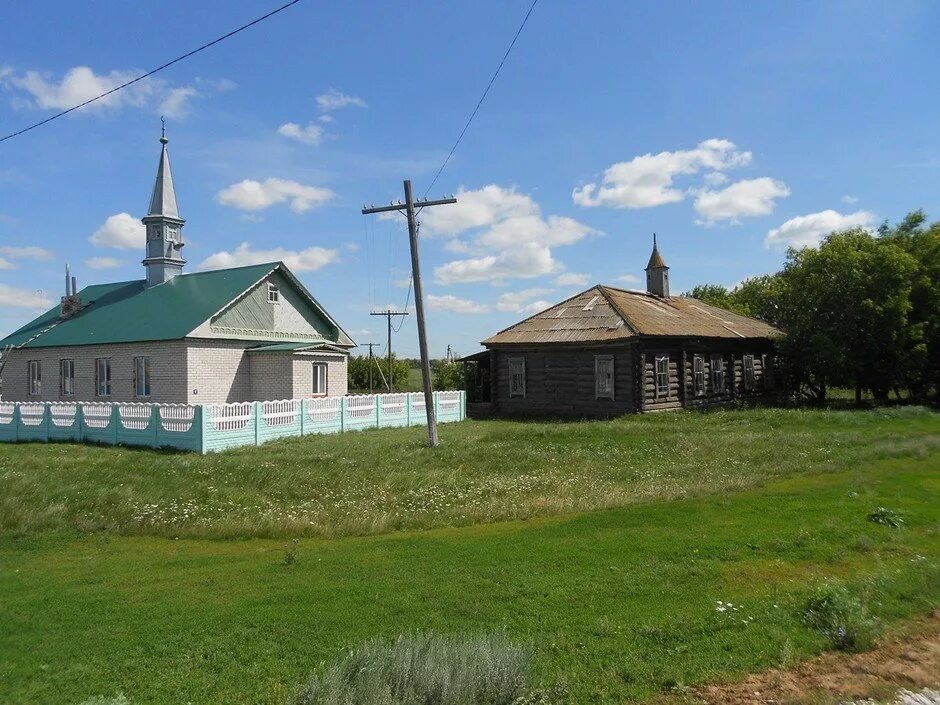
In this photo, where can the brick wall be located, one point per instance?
(336, 374)
(167, 370)
(218, 371)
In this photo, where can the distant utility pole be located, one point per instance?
(408, 207)
(371, 362)
(388, 315)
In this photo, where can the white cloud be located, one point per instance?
(312, 134)
(335, 100)
(6, 264)
(648, 180)
(809, 230)
(102, 262)
(521, 301)
(849, 199)
(745, 198)
(511, 240)
(715, 178)
(308, 260)
(573, 279)
(122, 232)
(20, 298)
(524, 262)
(455, 304)
(250, 195)
(40, 254)
(629, 279)
(81, 83)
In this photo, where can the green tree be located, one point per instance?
(358, 373)
(714, 294)
(448, 375)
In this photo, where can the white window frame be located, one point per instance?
(604, 377)
(718, 374)
(67, 377)
(142, 378)
(274, 294)
(750, 374)
(320, 379)
(34, 378)
(698, 375)
(517, 370)
(659, 375)
(103, 377)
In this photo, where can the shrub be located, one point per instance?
(886, 517)
(840, 617)
(426, 669)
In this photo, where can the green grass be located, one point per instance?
(485, 471)
(616, 604)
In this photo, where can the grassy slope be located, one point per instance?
(618, 603)
(385, 480)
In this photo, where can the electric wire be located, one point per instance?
(482, 97)
(149, 73)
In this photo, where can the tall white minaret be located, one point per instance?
(164, 225)
(657, 273)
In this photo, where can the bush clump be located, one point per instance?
(886, 517)
(840, 617)
(426, 669)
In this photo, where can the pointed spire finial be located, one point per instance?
(654, 240)
(163, 139)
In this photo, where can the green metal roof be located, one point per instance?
(295, 347)
(126, 312)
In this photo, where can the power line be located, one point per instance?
(151, 72)
(482, 97)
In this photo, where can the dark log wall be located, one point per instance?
(560, 379)
(560, 382)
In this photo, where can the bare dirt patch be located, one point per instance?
(911, 661)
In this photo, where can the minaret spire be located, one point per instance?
(657, 273)
(164, 225)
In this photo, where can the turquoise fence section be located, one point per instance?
(215, 427)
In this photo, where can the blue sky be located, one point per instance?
(730, 129)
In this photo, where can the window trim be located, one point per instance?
(148, 377)
(749, 372)
(718, 374)
(108, 377)
(660, 392)
(316, 366)
(698, 375)
(70, 391)
(598, 360)
(517, 361)
(34, 382)
(274, 293)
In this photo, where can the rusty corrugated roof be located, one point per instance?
(606, 313)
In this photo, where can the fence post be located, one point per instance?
(342, 414)
(155, 423)
(303, 416)
(46, 419)
(200, 425)
(16, 422)
(257, 413)
(80, 420)
(408, 409)
(115, 420)
(377, 400)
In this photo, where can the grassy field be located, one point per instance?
(384, 480)
(751, 507)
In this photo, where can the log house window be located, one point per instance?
(718, 374)
(35, 378)
(517, 377)
(103, 377)
(698, 375)
(67, 378)
(319, 379)
(603, 376)
(274, 294)
(749, 375)
(662, 376)
(142, 377)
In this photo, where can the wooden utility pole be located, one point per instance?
(388, 315)
(371, 361)
(408, 207)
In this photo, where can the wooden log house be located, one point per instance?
(608, 351)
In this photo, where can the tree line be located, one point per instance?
(861, 310)
(445, 375)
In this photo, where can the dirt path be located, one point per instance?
(910, 662)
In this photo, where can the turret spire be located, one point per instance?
(657, 273)
(164, 225)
